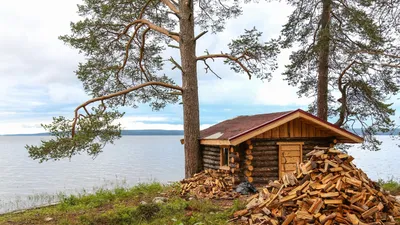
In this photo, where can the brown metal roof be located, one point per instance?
(244, 125)
(233, 127)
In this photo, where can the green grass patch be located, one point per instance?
(391, 185)
(124, 206)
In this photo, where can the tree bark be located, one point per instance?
(190, 98)
(323, 62)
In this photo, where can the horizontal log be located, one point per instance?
(257, 153)
(263, 180)
(210, 166)
(264, 174)
(211, 149)
(261, 142)
(266, 169)
(265, 158)
(264, 163)
(211, 157)
(209, 153)
(211, 161)
(266, 148)
(249, 157)
(248, 152)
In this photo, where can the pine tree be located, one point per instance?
(123, 42)
(346, 57)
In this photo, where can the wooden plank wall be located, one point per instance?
(296, 128)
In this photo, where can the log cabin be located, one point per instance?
(262, 147)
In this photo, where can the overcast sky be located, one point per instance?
(38, 82)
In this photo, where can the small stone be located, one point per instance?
(159, 200)
(143, 203)
(48, 219)
(191, 198)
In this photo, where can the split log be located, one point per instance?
(326, 190)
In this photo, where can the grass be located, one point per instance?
(391, 185)
(122, 205)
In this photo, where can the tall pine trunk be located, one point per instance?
(323, 62)
(191, 120)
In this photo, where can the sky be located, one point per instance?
(37, 80)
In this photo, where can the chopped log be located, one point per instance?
(215, 184)
(289, 219)
(249, 157)
(327, 189)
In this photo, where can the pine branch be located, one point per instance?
(116, 94)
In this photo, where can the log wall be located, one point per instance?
(266, 152)
(211, 157)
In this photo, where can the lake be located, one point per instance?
(133, 159)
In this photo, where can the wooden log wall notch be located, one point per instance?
(234, 160)
(249, 157)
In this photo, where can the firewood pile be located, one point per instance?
(327, 189)
(209, 184)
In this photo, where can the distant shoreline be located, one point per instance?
(174, 132)
(124, 133)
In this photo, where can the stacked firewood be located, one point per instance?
(209, 184)
(327, 189)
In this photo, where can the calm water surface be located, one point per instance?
(131, 160)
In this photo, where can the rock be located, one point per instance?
(143, 203)
(159, 200)
(191, 198)
(398, 199)
(48, 219)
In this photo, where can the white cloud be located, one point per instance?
(66, 94)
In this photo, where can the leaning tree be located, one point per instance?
(125, 43)
(346, 57)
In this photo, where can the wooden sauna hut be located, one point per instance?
(262, 147)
